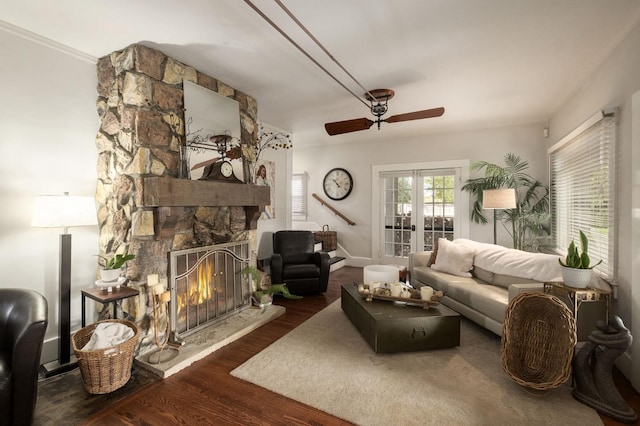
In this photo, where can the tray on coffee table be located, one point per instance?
(426, 304)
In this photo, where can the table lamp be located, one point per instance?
(494, 199)
(63, 211)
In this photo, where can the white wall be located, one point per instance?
(359, 157)
(266, 227)
(613, 84)
(49, 122)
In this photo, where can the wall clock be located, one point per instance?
(337, 184)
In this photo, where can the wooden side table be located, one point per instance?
(577, 296)
(103, 296)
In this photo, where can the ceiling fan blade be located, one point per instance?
(416, 115)
(339, 127)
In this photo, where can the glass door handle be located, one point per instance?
(413, 228)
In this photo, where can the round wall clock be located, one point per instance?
(337, 184)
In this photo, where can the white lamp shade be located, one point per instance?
(504, 198)
(61, 211)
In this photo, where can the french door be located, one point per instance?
(417, 208)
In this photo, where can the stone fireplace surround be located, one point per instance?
(142, 205)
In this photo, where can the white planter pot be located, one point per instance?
(578, 278)
(109, 275)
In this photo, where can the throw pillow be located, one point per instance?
(454, 259)
(434, 253)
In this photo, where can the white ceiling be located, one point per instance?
(489, 63)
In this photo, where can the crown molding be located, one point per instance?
(43, 41)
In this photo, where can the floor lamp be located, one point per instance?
(494, 199)
(63, 211)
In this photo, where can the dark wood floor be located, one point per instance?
(205, 393)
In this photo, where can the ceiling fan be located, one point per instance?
(378, 99)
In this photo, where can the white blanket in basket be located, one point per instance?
(107, 335)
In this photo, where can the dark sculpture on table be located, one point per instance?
(592, 369)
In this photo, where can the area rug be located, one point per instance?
(326, 364)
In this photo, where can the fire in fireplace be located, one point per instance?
(207, 285)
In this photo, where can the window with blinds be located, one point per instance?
(299, 196)
(582, 168)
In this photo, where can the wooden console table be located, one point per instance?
(103, 296)
(577, 296)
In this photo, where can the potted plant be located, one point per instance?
(576, 268)
(112, 266)
(263, 290)
(530, 219)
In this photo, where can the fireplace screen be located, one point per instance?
(207, 285)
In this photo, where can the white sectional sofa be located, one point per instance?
(479, 280)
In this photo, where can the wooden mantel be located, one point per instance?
(164, 192)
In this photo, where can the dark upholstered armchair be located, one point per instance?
(23, 322)
(295, 263)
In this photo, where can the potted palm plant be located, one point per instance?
(530, 218)
(576, 268)
(112, 266)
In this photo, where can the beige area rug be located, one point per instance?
(326, 364)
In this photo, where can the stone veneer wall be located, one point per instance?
(141, 109)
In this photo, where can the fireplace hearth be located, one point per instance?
(208, 339)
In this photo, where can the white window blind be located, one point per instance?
(299, 196)
(582, 168)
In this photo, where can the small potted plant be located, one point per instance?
(576, 269)
(112, 266)
(263, 290)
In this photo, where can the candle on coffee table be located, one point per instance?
(426, 292)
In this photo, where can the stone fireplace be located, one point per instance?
(143, 205)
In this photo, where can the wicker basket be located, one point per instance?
(329, 239)
(104, 370)
(538, 341)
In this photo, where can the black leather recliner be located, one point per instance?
(295, 263)
(23, 322)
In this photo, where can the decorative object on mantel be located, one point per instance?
(212, 125)
(577, 268)
(63, 211)
(592, 368)
(268, 138)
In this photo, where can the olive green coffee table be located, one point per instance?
(390, 327)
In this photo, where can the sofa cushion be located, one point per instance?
(438, 280)
(454, 259)
(482, 274)
(507, 280)
(489, 299)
